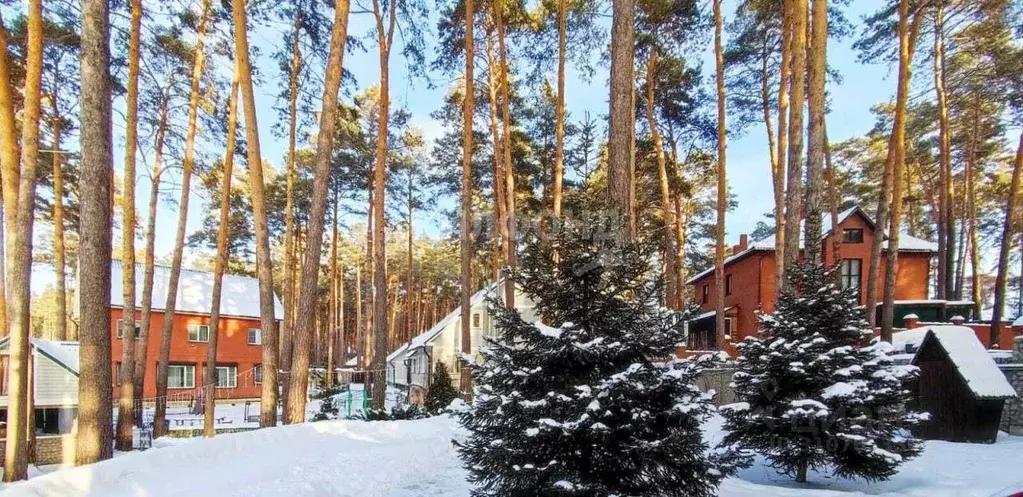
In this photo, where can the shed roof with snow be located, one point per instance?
(971, 360)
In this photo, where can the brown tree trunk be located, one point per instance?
(500, 202)
(794, 188)
(834, 199)
(159, 418)
(142, 347)
(895, 164)
(287, 330)
(668, 237)
(95, 411)
(780, 160)
(621, 123)
(1008, 229)
(298, 384)
(559, 111)
(946, 220)
(816, 142)
(126, 399)
(59, 251)
(19, 414)
(332, 307)
(268, 398)
(722, 186)
(210, 379)
(465, 233)
(9, 171)
(511, 242)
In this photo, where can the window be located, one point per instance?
(852, 269)
(475, 320)
(198, 333)
(120, 328)
(852, 236)
(257, 374)
(227, 376)
(255, 336)
(728, 328)
(706, 293)
(181, 376)
(728, 284)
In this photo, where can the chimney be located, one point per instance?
(743, 244)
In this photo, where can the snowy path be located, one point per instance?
(416, 459)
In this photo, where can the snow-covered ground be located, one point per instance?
(416, 458)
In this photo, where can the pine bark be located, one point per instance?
(210, 379)
(160, 416)
(500, 192)
(794, 188)
(59, 250)
(511, 241)
(287, 329)
(780, 171)
(95, 410)
(621, 123)
(126, 399)
(268, 324)
(298, 383)
(142, 344)
(559, 111)
(465, 233)
(668, 235)
(722, 186)
(1008, 230)
(946, 217)
(976, 294)
(816, 142)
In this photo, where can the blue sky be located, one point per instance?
(748, 171)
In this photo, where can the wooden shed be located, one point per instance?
(960, 386)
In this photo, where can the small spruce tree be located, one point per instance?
(598, 405)
(441, 392)
(816, 393)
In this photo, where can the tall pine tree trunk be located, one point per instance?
(287, 330)
(126, 399)
(946, 218)
(511, 242)
(816, 143)
(794, 187)
(19, 415)
(668, 236)
(559, 111)
(59, 251)
(500, 192)
(779, 173)
(210, 379)
(159, 418)
(142, 344)
(722, 186)
(268, 397)
(621, 123)
(95, 409)
(298, 383)
(1008, 229)
(465, 233)
(9, 171)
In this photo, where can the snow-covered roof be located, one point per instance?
(63, 353)
(426, 337)
(907, 242)
(971, 360)
(239, 297)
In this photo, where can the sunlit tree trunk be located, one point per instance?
(11, 170)
(559, 111)
(976, 291)
(210, 379)
(1008, 229)
(268, 397)
(500, 191)
(465, 232)
(722, 186)
(95, 409)
(332, 307)
(668, 237)
(511, 248)
(142, 344)
(794, 188)
(287, 330)
(621, 123)
(126, 399)
(160, 416)
(816, 141)
(59, 250)
(779, 172)
(946, 218)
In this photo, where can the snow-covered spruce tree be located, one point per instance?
(596, 406)
(814, 394)
(441, 392)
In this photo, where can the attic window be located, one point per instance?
(852, 235)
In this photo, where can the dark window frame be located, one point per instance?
(847, 276)
(728, 284)
(706, 292)
(852, 235)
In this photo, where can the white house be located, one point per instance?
(412, 364)
(54, 382)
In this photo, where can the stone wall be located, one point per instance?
(49, 449)
(1012, 414)
(717, 379)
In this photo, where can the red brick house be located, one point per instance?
(239, 349)
(749, 276)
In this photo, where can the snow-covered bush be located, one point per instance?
(814, 395)
(597, 405)
(328, 409)
(397, 413)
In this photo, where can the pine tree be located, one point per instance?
(584, 409)
(812, 397)
(442, 392)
